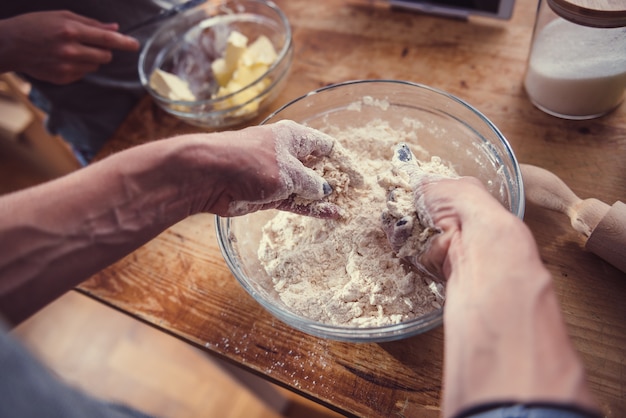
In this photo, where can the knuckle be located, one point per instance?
(68, 31)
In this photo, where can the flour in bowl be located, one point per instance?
(343, 272)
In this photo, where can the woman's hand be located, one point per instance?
(59, 47)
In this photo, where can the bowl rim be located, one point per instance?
(284, 53)
(381, 333)
(516, 171)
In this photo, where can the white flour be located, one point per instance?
(577, 71)
(344, 272)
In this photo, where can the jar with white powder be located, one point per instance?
(577, 63)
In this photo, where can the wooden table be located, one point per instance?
(180, 284)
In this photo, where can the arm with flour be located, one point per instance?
(58, 234)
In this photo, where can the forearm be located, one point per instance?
(505, 337)
(58, 234)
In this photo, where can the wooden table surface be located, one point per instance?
(180, 284)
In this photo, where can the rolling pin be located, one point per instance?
(603, 226)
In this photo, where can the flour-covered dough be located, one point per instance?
(343, 272)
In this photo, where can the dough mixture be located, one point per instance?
(343, 272)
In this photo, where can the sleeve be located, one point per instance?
(28, 389)
(527, 410)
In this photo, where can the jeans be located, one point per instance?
(28, 389)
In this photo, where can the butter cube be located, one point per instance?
(171, 86)
(243, 77)
(260, 51)
(233, 75)
(247, 75)
(224, 67)
(221, 74)
(237, 44)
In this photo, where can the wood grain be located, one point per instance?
(117, 358)
(180, 284)
(114, 358)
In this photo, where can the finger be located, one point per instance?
(401, 231)
(305, 182)
(324, 210)
(403, 154)
(294, 143)
(80, 55)
(404, 160)
(433, 259)
(100, 34)
(397, 230)
(302, 141)
(462, 197)
(107, 39)
(89, 21)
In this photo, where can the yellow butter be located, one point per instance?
(243, 77)
(252, 62)
(171, 86)
(223, 68)
(260, 52)
(221, 74)
(236, 47)
(247, 75)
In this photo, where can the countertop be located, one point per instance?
(180, 284)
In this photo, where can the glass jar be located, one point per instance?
(577, 63)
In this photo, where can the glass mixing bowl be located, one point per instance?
(449, 128)
(187, 44)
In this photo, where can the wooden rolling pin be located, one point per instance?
(603, 226)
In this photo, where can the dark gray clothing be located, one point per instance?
(528, 410)
(28, 389)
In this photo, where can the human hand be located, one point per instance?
(447, 210)
(407, 222)
(501, 314)
(262, 167)
(59, 46)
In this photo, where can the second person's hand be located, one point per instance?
(59, 47)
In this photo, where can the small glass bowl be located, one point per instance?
(451, 129)
(187, 44)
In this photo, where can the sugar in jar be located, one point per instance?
(577, 62)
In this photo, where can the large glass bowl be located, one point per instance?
(187, 44)
(450, 129)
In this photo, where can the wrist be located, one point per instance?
(506, 338)
(202, 168)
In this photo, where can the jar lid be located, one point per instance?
(594, 13)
